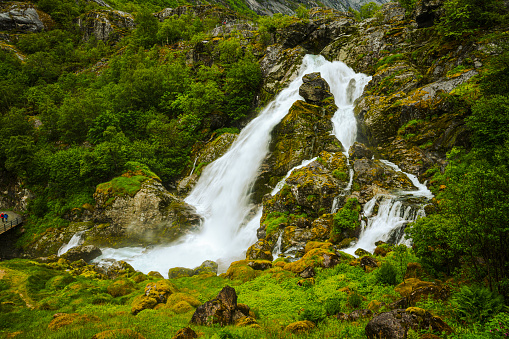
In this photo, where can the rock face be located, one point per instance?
(20, 17)
(105, 25)
(152, 215)
(222, 310)
(395, 324)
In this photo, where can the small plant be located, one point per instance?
(333, 305)
(343, 176)
(387, 274)
(354, 300)
(313, 313)
(476, 304)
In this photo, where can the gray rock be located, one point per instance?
(21, 17)
(359, 151)
(222, 310)
(427, 12)
(87, 253)
(314, 88)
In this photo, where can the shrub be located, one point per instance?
(313, 313)
(387, 274)
(348, 216)
(333, 305)
(476, 304)
(354, 300)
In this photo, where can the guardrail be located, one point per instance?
(7, 225)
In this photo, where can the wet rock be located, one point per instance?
(185, 333)
(20, 17)
(87, 253)
(261, 250)
(118, 333)
(155, 293)
(114, 269)
(359, 151)
(369, 172)
(149, 216)
(361, 252)
(314, 89)
(222, 310)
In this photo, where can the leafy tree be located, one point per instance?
(302, 12)
(146, 28)
(368, 10)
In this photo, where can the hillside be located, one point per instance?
(201, 171)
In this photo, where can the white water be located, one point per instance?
(221, 195)
(282, 182)
(393, 214)
(75, 241)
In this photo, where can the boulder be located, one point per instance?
(300, 327)
(222, 310)
(261, 250)
(20, 17)
(148, 216)
(355, 315)
(314, 89)
(368, 261)
(118, 333)
(87, 253)
(207, 267)
(309, 272)
(395, 324)
(359, 151)
(177, 272)
(374, 172)
(155, 293)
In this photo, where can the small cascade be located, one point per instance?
(278, 247)
(282, 182)
(393, 213)
(75, 241)
(194, 165)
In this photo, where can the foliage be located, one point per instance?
(387, 274)
(466, 16)
(476, 304)
(348, 216)
(354, 300)
(409, 5)
(302, 12)
(313, 313)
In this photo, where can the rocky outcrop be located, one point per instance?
(222, 310)
(87, 253)
(105, 25)
(185, 333)
(426, 12)
(151, 215)
(20, 17)
(395, 324)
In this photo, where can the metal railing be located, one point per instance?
(7, 225)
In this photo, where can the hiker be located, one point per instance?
(5, 217)
(2, 216)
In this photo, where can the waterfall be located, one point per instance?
(222, 194)
(278, 248)
(75, 241)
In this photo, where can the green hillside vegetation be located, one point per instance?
(76, 115)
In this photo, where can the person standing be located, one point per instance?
(2, 216)
(5, 217)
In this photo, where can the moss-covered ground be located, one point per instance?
(33, 294)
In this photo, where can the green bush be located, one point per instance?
(476, 304)
(333, 305)
(354, 300)
(313, 313)
(387, 274)
(347, 218)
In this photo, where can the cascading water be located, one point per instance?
(221, 195)
(395, 211)
(75, 241)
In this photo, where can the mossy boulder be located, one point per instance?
(247, 322)
(300, 327)
(317, 257)
(121, 287)
(261, 250)
(241, 270)
(178, 272)
(177, 297)
(64, 319)
(87, 253)
(155, 293)
(222, 310)
(185, 333)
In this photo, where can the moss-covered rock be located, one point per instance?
(300, 327)
(121, 287)
(118, 333)
(63, 319)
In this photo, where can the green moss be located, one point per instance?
(273, 220)
(120, 186)
(348, 216)
(343, 176)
